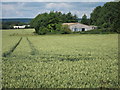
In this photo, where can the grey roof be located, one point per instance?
(78, 25)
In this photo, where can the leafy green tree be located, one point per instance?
(107, 16)
(43, 31)
(51, 22)
(84, 19)
(106, 25)
(95, 15)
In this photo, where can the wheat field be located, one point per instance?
(59, 61)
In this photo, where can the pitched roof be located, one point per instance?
(69, 24)
(78, 25)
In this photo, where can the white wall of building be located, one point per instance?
(80, 27)
(21, 27)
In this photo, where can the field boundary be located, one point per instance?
(8, 53)
(34, 50)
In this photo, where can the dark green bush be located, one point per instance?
(98, 31)
(65, 30)
(106, 25)
(42, 31)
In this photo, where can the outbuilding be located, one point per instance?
(75, 27)
(19, 27)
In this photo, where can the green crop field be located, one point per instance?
(59, 61)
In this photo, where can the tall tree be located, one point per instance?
(107, 16)
(84, 19)
(95, 15)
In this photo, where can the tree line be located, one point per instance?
(52, 22)
(107, 16)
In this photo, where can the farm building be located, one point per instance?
(18, 27)
(21, 27)
(79, 27)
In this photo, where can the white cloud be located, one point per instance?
(58, 5)
(11, 10)
(56, 0)
(23, 9)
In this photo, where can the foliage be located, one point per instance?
(107, 16)
(116, 25)
(51, 22)
(65, 30)
(63, 61)
(106, 25)
(85, 20)
(99, 31)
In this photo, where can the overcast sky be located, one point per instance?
(56, 0)
(30, 9)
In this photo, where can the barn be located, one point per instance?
(75, 27)
(19, 27)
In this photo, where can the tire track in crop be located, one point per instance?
(34, 50)
(6, 54)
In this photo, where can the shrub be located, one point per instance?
(105, 25)
(98, 31)
(42, 30)
(65, 30)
